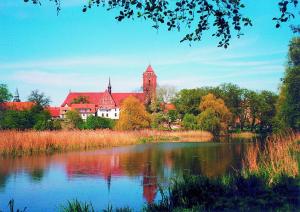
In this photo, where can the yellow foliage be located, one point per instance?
(133, 115)
(215, 115)
(216, 104)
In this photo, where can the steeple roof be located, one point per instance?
(149, 69)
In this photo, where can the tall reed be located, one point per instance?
(30, 142)
(275, 158)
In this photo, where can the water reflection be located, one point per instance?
(151, 164)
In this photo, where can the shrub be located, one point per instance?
(190, 122)
(94, 122)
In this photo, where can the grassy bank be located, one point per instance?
(31, 142)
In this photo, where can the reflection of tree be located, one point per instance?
(3, 179)
(37, 175)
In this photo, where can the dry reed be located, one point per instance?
(29, 142)
(277, 157)
(243, 135)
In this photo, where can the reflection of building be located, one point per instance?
(149, 184)
(107, 104)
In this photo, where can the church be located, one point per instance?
(107, 104)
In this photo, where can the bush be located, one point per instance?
(190, 122)
(73, 120)
(94, 122)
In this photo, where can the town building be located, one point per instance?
(107, 104)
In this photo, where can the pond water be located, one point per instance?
(122, 176)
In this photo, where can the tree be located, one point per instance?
(19, 120)
(133, 115)
(198, 16)
(80, 99)
(188, 100)
(171, 117)
(5, 95)
(288, 105)
(165, 93)
(267, 110)
(73, 120)
(189, 122)
(215, 115)
(39, 98)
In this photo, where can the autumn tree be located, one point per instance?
(133, 115)
(214, 116)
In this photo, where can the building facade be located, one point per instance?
(107, 104)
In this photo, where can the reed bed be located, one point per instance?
(31, 142)
(275, 158)
(246, 135)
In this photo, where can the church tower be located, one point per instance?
(17, 96)
(149, 84)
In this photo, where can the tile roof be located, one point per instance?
(17, 105)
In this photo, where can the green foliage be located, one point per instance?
(289, 101)
(19, 120)
(73, 120)
(208, 120)
(39, 98)
(93, 122)
(36, 118)
(190, 122)
(157, 120)
(5, 95)
(76, 206)
(229, 193)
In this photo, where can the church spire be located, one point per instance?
(109, 86)
(17, 96)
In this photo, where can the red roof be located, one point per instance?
(92, 97)
(95, 97)
(119, 97)
(54, 111)
(17, 105)
(149, 69)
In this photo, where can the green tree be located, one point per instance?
(39, 98)
(189, 122)
(5, 95)
(288, 105)
(171, 117)
(19, 120)
(267, 110)
(73, 120)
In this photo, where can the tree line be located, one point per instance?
(220, 110)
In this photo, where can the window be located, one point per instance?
(106, 114)
(116, 114)
(102, 114)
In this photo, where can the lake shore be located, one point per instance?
(17, 143)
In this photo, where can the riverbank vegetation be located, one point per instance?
(31, 142)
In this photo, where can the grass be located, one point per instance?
(19, 143)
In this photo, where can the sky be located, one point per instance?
(79, 51)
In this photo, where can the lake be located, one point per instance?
(121, 176)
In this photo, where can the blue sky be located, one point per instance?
(79, 51)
